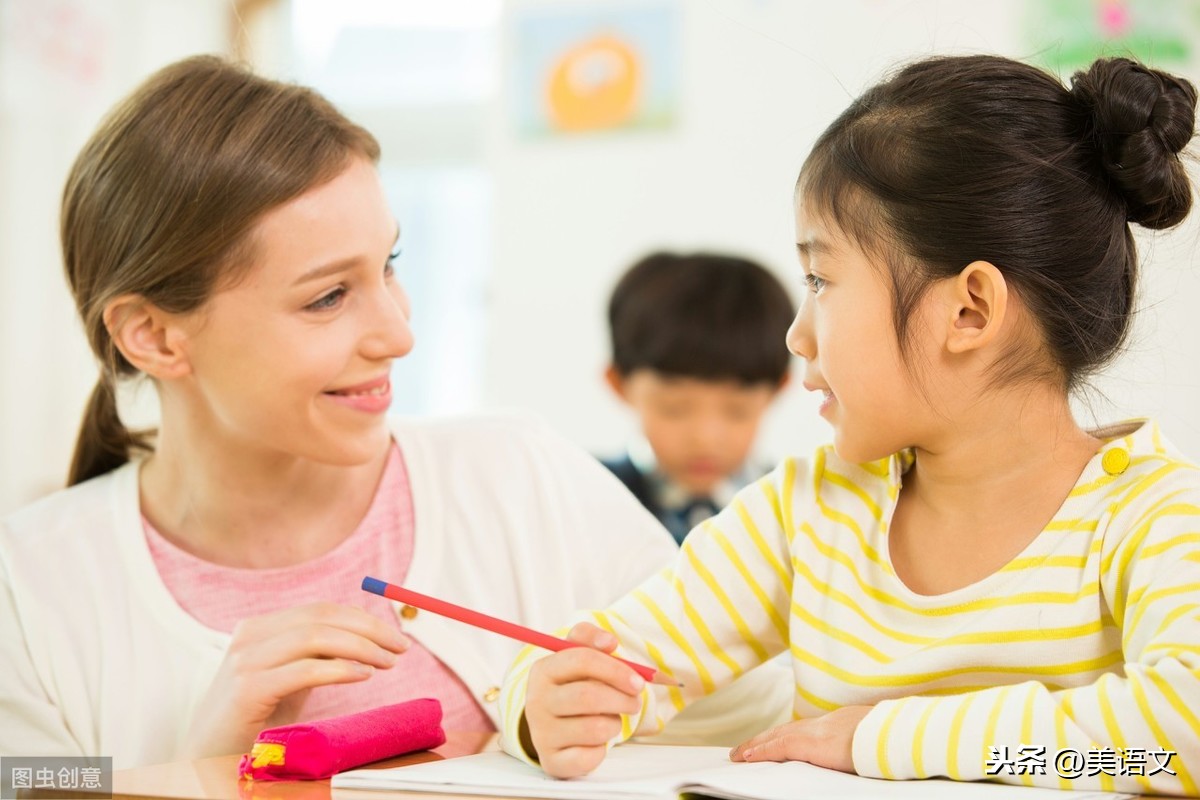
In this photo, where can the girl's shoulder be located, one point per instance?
(832, 483)
(1138, 473)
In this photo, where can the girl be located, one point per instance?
(968, 583)
(228, 237)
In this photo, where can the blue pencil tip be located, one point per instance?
(373, 585)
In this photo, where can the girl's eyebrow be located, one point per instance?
(809, 246)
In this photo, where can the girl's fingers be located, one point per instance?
(586, 664)
(588, 634)
(738, 753)
(572, 762)
(582, 698)
(585, 731)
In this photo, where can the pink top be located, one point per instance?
(381, 546)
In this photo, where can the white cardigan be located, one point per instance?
(99, 659)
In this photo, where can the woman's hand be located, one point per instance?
(574, 701)
(272, 662)
(826, 741)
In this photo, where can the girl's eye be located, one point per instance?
(815, 282)
(327, 301)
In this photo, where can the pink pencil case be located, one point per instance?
(318, 749)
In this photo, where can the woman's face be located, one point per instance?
(295, 357)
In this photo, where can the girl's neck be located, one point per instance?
(234, 505)
(1016, 446)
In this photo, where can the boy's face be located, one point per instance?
(701, 431)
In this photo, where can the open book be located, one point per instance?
(663, 772)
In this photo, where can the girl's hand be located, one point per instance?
(826, 741)
(574, 701)
(272, 662)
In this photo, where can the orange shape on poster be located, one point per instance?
(594, 85)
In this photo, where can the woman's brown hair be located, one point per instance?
(162, 199)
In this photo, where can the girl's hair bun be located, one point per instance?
(1141, 119)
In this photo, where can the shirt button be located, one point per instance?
(407, 612)
(1115, 461)
(491, 694)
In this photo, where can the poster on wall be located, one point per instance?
(594, 68)
(1067, 35)
(53, 53)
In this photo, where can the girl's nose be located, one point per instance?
(800, 339)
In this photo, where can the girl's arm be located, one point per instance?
(719, 609)
(1113, 734)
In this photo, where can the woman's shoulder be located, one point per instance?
(86, 505)
(496, 427)
(61, 542)
(484, 440)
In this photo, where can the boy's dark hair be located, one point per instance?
(958, 159)
(700, 315)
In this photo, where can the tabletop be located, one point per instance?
(217, 779)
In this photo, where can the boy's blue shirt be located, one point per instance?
(673, 505)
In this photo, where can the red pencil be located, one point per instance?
(509, 629)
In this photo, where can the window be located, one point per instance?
(421, 77)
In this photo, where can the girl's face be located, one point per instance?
(294, 359)
(844, 331)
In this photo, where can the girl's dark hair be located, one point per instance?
(708, 316)
(161, 201)
(959, 159)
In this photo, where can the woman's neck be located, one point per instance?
(232, 504)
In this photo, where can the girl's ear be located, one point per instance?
(978, 304)
(150, 339)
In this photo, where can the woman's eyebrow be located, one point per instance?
(334, 267)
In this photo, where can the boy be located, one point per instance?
(698, 353)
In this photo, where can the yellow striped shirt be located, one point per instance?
(1088, 641)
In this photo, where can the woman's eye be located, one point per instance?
(389, 266)
(815, 282)
(327, 301)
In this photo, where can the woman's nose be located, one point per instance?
(390, 334)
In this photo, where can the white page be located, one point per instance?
(629, 771)
(660, 772)
(795, 780)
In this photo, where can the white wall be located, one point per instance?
(761, 79)
(63, 63)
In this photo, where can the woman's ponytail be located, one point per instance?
(104, 442)
(161, 207)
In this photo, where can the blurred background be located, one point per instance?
(532, 149)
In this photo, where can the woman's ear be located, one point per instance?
(149, 338)
(978, 304)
